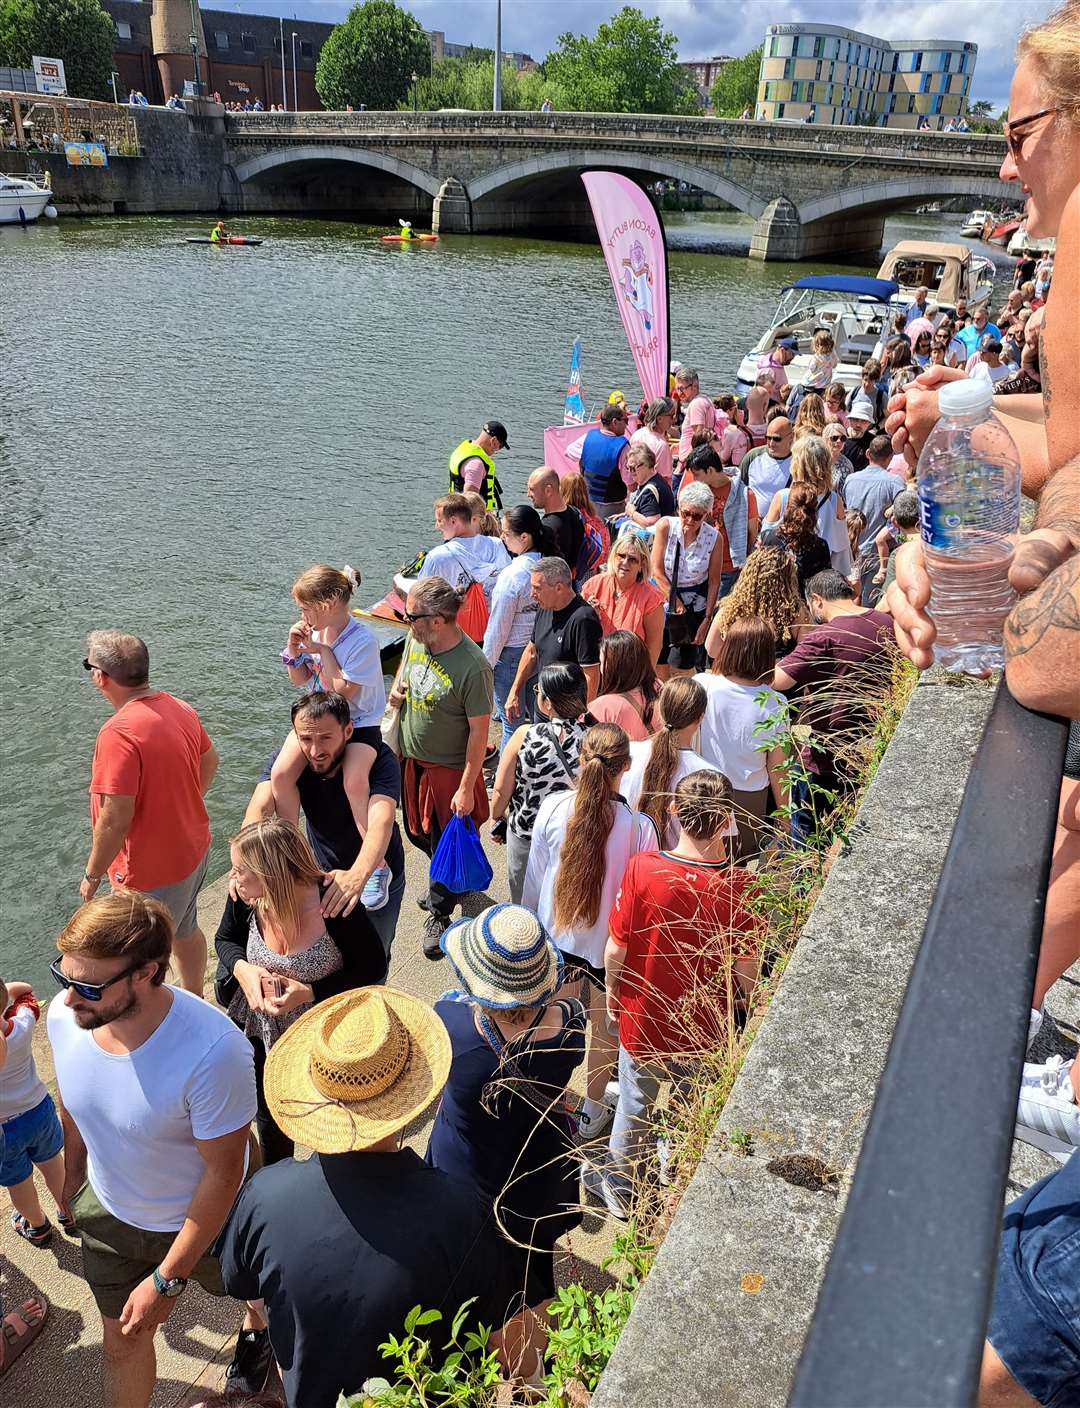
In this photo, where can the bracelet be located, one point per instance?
(293, 661)
(93, 879)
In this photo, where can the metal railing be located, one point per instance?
(902, 1313)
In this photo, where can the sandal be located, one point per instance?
(36, 1236)
(16, 1341)
(67, 1224)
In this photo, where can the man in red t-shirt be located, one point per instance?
(153, 762)
(682, 953)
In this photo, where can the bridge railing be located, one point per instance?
(780, 136)
(901, 1315)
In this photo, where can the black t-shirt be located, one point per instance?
(569, 533)
(855, 449)
(654, 497)
(342, 1246)
(570, 636)
(330, 826)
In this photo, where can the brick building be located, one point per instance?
(703, 72)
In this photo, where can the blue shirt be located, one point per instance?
(971, 337)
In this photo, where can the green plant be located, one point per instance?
(77, 31)
(468, 1376)
(588, 1323)
(736, 85)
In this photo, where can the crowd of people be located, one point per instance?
(651, 677)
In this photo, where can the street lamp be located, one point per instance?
(415, 81)
(296, 105)
(195, 49)
(496, 96)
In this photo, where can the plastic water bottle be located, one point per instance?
(969, 504)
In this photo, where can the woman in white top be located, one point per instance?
(656, 423)
(513, 607)
(745, 722)
(665, 759)
(811, 463)
(582, 841)
(687, 551)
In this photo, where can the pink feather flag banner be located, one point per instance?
(632, 238)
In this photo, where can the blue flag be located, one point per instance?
(574, 412)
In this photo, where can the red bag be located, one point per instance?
(473, 612)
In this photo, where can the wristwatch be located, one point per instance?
(171, 1288)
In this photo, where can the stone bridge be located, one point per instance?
(813, 191)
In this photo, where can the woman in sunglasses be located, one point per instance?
(687, 559)
(920, 352)
(834, 438)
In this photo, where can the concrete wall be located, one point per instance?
(701, 1336)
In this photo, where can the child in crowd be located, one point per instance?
(735, 442)
(823, 361)
(652, 499)
(757, 407)
(901, 523)
(329, 649)
(32, 1136)
(835, 402)
(856, 528)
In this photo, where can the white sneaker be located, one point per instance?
(377, 890)
(1035, 1022)
(611, 1093)
(597, 1186)
(592, 1126)
(1047, 1116)
(663, 1159)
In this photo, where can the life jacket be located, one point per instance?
(600, 466)
(468, 450)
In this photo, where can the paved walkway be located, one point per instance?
(64, 1366)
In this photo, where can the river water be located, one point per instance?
(183, 430)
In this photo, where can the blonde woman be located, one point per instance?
(768, 587)
(582, 841)
(812, 464)
(623, 596)
(811, 417)
(277, 954)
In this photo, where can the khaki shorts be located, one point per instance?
(117, 1257)
(181, 899)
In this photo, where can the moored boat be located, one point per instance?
(973, 224)
(947, 271)
(22, 200)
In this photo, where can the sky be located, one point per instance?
(707, 27)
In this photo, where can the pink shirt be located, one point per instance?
(658, 445)
(618, 709)
(700, 412)
(776, 371)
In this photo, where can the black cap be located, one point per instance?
(496, 428)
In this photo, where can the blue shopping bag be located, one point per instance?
(459, 863)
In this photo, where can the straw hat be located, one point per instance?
(355, 1069)
(504, 957)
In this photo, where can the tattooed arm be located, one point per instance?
(1042, 636)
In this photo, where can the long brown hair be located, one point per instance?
(768, 586)
(602, 756)
(810, 419)
(682, 703)
(575, 493)
(625, 665)
(799, 523)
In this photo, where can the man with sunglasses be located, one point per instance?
(157, 1092)
(153, 763)
(767, 470)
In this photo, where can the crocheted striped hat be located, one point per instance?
(503, 957)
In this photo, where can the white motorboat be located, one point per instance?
(1022, 243)
(22, 200)
(853, 308)
(973, 224)
(946, 271)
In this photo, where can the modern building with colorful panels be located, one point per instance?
(847, 77)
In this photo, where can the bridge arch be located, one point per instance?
(322, 153)
(502, 198)
(901, 191)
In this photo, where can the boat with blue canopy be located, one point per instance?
(855, 309)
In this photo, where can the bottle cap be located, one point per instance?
(966, 398)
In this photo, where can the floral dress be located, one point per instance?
(318, 960)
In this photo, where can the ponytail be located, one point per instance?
(602, 756)
(682, 703)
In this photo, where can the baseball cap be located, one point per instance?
(789, 343)
(496, 428)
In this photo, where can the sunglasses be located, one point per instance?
(691, 515)
(412, 616)
(88, 665)
(90, 992)
(1015, 144)
(774, 439)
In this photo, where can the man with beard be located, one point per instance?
(158, 1091)
(322, 727)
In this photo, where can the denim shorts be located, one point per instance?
(1035, 1321)
(34, 1137)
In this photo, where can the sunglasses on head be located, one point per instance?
(89, 992)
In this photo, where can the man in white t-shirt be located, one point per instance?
(158, 1091)
(465, 553)
(767, 470)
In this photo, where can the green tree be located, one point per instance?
(371, 57)
(629, 65)
(467, 82)
(980, 109)
(736, 85)
(77, 31)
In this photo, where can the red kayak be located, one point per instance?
(229, 239)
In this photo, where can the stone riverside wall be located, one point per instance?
(696, 1337)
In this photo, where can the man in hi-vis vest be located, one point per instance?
(472, 467)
